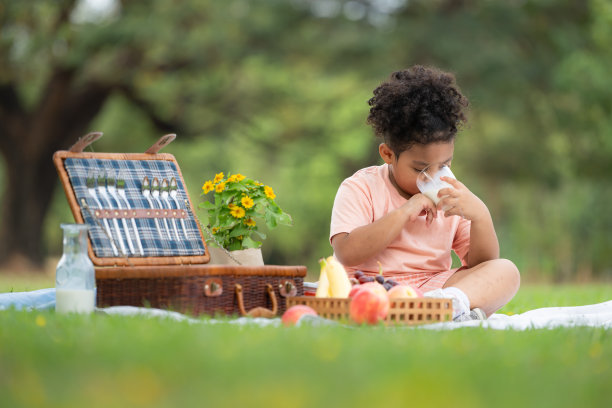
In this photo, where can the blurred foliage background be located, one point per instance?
(277, 90)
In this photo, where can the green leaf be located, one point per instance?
(249, 243)
(260, 234)
(275, 208)
(234, 246)
(226, 196)
(205, 219)
(207, 205)
(284, 219)
(240, 187)
(244, 231)
(271, 221)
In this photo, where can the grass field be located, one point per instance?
(50, 360)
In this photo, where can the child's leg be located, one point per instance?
(489, 285)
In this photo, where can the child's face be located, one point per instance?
(406, 167)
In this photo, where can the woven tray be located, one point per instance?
(408, 311)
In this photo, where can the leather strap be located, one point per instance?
(257, 311)
(140, 213)
(161, 143)
(85, 141)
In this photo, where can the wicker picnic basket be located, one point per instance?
(148, 248)
(408, 311)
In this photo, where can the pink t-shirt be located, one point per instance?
(367, 196)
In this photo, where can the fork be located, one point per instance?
(165, 192)
(146, 193)
(173, 194)
(91, 189)
(112, 191)
(102, 193)
(121, 193)
(155, 194)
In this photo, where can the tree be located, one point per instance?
(57, 71)
(50, 91)
(188, 68)
(278, 89)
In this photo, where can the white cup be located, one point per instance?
(429, 181)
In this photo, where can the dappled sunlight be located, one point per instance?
(279, 91)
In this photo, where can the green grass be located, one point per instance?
(529, 296)
(109, 361)
(25, 282)
(535, 296)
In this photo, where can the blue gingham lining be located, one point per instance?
(133, 172)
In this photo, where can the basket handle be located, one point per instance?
(85, 141)
(257, 311)
(161, 143)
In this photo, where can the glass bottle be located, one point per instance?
(75, 282)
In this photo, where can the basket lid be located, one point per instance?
(132, 223)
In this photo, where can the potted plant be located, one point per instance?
(234, 216)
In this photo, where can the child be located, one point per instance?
(379, 215)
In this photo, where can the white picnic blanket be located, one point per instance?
(596, 315)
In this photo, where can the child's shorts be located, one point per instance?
(425, 281)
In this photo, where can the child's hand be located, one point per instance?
(419, 205)
(460, 201)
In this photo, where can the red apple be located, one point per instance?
(369, 305)
(375, 286)
(354, 290)
(294, 313)
(404, 291)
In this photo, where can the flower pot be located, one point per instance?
(250, 256)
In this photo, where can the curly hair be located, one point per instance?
(419, 105)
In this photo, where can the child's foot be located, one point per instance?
(461, 304)
(475, 314)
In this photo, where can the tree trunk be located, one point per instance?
(27, 142)
(31, 180)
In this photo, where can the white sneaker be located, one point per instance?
(475, 314)
(459, 307)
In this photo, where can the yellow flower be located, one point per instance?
(231, 205)
(41, 321)
(218, 177)
(250, 222)
(215, 229)
(220, 187)
(247, 202)
(269, 192)
(237, 212)
(208, 186)
(257, 183)
(236, 177)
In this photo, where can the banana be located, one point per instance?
(323, 288)
(339, 283)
